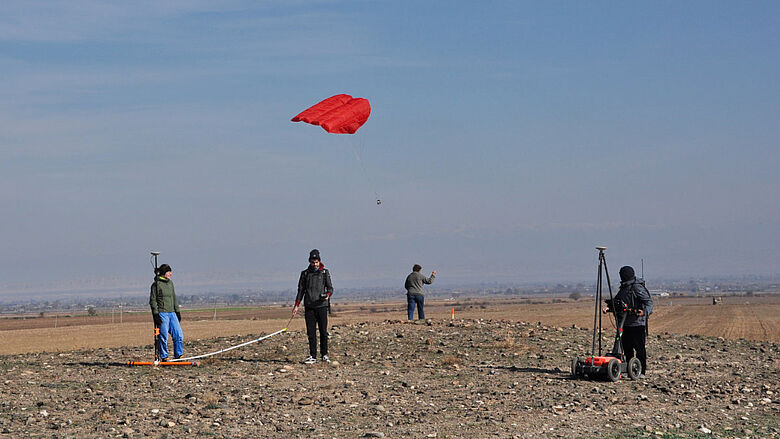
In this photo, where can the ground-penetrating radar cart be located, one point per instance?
(613, 364)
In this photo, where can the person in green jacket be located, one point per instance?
(166, 314)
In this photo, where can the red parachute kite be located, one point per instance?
(340, 114)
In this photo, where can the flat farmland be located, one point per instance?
(751, 318)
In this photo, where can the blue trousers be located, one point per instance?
(411, 301)
(170, 325)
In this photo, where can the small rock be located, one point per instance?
(705, 430)
(374, 434)
(305, 401)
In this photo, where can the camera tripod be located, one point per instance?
(599, 290)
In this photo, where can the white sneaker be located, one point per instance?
(310, 360)
(325, 359)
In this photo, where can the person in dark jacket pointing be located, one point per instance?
(315, 289)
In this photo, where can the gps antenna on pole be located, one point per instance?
(156, 329)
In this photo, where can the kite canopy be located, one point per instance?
(340, 114)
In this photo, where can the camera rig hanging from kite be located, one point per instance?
(612, 365)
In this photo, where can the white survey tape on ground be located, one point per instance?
(231, 348)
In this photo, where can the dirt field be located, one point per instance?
(735, 319)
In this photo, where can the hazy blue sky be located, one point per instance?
(506, 139)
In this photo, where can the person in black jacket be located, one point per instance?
(635, 295)
(315, 289)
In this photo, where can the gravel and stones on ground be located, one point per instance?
(393, 379)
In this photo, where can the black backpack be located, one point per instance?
(640, 281)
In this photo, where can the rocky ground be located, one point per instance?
(438, 379)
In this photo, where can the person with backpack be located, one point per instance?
(415, 295)
(315, 289)
(636, 296)
(166, 313)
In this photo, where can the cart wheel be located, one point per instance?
(634, 368)
(574, 363)
(613, 370)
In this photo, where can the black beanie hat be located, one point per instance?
(314, 254)
(164, 268)
(626, 273)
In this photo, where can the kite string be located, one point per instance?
(358, 146)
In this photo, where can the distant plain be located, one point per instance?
(738, 317)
